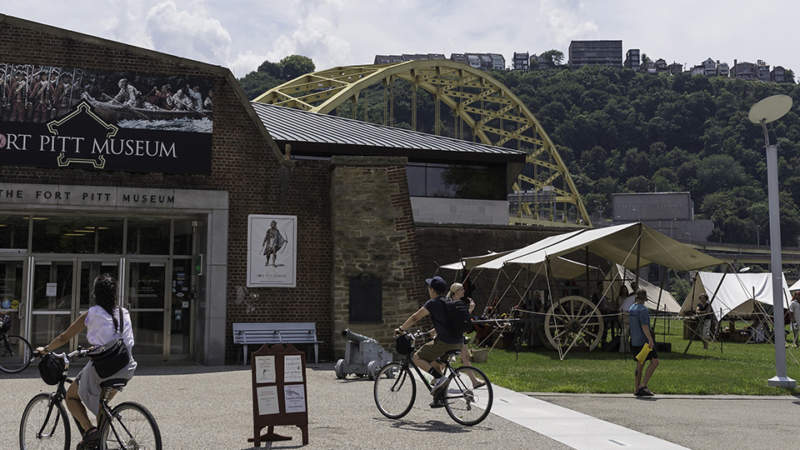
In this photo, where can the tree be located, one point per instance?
(272, 69)
(256, 83)
(638, 184)
(551, 58)
(295, 65)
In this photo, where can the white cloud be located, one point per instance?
(190, 32)
(240, 34)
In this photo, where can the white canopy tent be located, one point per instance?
(737, 293)
(795, 286)
(562, 268)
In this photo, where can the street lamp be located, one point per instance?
(769, 110)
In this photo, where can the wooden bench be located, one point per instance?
(276, 333)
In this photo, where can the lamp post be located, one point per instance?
(769, 110)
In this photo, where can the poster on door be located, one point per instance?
(271, 250)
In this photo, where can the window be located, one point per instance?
(148, 236)
(13, 232)
(456, 181)
(77, 235)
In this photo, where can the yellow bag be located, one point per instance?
(643, 354)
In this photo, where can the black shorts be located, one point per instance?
(635, 351)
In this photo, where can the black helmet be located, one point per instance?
(405, 344)
(51, 369)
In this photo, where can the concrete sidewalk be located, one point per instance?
(699, 422)
(201, 407)
(211, 408)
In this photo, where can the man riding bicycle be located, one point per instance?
(448, 335)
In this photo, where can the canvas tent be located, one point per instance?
(666, 303)
(562, 268)
(795, 286)
(737, 293)
(631, 245)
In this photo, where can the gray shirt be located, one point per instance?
(639, 315)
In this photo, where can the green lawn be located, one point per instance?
(739, 369)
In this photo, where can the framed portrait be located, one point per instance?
(271, 250)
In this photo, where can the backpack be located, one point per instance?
(458, 316)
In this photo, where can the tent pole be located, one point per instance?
(658, 305)
(491, 293)
(588, 285)
(638, 254)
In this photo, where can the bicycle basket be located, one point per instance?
(5, 323)
(404, 344)
(51, 369)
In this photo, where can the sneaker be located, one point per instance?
(478, 385)
(91, 439)
(437, 402)
(638, 392)
(646, 392)
(438, 384)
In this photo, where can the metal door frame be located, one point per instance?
(166, 310)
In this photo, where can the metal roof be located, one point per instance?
(295, 125)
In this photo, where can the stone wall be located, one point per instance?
(373, 233)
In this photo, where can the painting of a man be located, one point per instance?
(273, 242)
(271, 250)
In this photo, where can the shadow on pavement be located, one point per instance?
(430, 425)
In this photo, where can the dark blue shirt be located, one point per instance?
(441, 321)
(639, 315)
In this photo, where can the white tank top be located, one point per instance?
(100, 327)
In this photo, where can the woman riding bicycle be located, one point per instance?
(102, 328)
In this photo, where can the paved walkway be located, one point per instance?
(211, 408)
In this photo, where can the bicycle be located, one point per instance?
(16, 353)
(466, 392)
(127, 426)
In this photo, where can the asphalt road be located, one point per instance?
(698, 422)
(211, 408)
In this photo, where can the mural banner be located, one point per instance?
(58, 117)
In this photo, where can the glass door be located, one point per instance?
(12, 284)
(145, 298)
(53, 283)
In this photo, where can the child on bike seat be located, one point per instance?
(447, 338)
(100, 322)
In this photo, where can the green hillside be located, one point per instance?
(621, 131)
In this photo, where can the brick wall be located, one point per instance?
(373, 233)
(242, 164)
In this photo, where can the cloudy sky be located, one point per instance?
(240, 34)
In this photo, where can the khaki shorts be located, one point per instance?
(434, 349)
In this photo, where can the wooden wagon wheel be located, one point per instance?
(570, 317)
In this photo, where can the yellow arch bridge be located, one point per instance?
(479, 108)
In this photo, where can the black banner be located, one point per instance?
(58, 118)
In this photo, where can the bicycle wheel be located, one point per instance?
(394, 390)
(469, 396)
(44, 425)
(131, 426)
(15, 354)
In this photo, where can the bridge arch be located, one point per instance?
(484, 105)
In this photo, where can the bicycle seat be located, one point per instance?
(115, 383)
(450, 353)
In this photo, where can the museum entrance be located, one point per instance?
(48, 285)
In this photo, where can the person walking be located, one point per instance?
(704, 319)
(794, 309)
(639, 318)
